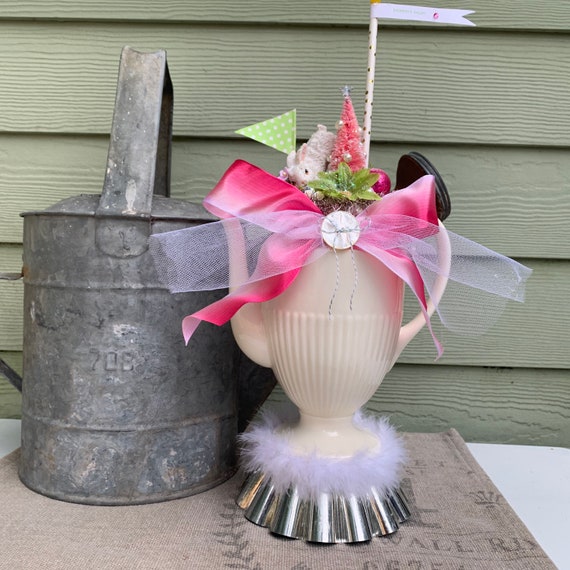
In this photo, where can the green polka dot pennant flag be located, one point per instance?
(279, 132)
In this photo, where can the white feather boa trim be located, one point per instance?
(263, 449)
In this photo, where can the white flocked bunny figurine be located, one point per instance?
(312, 158)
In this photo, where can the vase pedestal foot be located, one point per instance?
(334, 437)
(323, 499)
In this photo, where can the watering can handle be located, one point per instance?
(142, 128)
(411, 329)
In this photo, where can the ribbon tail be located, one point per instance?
(221, 311)
(407, 271)
(189, 325)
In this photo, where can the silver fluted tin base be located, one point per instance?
(327, 519)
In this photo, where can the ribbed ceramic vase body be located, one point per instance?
(330, 338)
(332, 335)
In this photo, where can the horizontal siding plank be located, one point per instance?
(508, 14)
(10, 398)
(10, 259)
(39, 171)
(535, 334)
(496, 194)
(515, 406)
(457, 86)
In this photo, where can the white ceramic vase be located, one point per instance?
(331, 338)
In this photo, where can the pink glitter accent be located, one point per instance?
(384, 184)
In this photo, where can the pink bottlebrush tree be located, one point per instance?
(348, 146)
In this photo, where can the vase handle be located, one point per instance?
(411, 329)
(247, 323)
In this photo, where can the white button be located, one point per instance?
(340, 230)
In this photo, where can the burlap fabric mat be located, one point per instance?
(459, 521)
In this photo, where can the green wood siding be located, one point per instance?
(488, 105)
(548, 15)
(515, 200)
(501, 405)
(461, 86)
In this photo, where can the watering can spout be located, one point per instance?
(11, 375)
(5, 369)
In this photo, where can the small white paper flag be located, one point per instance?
(420, 13)
(279, 132)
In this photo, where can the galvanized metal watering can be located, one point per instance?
(116, 410)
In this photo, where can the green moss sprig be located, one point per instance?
(343, 184)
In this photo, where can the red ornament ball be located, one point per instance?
(384, 183)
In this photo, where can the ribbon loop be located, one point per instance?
(281, 230)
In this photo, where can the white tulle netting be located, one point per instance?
(480, 283)
(234, 252)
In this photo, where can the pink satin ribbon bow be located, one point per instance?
(249, 193)
(280, 229)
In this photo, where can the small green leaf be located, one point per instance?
(364, 179)
(367, 195)
(344, 176)
(343, 184)
(323, 184)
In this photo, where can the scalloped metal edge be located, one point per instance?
(330, 518)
